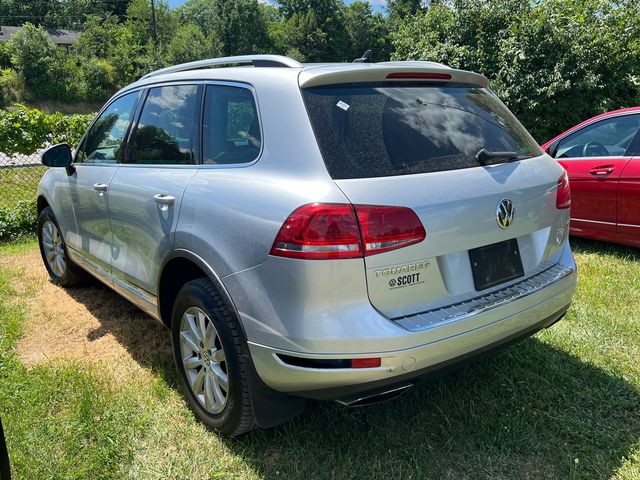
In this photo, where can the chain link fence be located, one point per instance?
(19, 177)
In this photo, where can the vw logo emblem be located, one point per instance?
(505, 213)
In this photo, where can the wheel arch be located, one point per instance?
(41, 203)
(269, 406)
(179, 267)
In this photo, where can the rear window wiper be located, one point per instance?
(485, 157)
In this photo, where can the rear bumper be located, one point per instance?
(404, 366)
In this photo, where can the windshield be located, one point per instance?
(375, 130)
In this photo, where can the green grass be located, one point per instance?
(564, 404)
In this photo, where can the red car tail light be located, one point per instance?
(563, 193)
(319, 231)
(388, 228)
(335, 230)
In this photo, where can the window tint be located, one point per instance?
(374, 130)
(104, 141)
(231, 131)
(609, 137)
(167, 128)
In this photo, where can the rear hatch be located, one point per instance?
(416, 144)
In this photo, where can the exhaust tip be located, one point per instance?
(376, 397)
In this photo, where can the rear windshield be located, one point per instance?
(376, 130)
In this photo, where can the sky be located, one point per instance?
(378, 5)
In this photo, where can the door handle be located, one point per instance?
(163, 199)
(603, 171)
(100, 187)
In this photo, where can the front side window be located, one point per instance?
(166, 133)
(375, 130)
(230, 129)
(103, 143)
(606, 138)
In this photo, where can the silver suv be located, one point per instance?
(334, 231)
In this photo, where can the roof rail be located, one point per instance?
(255, 60)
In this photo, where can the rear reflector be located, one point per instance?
(418, 75)
(336, 231)
(366, 362)
(563, 193)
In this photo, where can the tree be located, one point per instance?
(141, 26)
(189, 44)
(98, 36)
(315, 29)
(553, 62)
(365, 31)
(238, 27)
(400, 9)
(36, 59)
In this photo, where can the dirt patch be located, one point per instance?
(91, 323)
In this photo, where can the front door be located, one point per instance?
(85, 204)
(594, 158)
(146, 192)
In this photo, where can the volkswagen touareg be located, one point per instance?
(332, 231)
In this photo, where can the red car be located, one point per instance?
(602, 157)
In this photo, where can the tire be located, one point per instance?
(204, 360)
(62, 270)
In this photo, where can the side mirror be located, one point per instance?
(58, 156)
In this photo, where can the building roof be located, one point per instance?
(57, 35)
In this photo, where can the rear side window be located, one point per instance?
(166, 133)
(103, 142)
(230, 129)
(376, 130)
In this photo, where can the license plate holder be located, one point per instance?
(494, 264)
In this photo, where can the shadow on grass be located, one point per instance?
(532, 411)
(584, 245)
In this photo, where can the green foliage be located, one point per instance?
(59, 13)
(98, 37)
(239, 27)
(313, 30)
(25, 130)
(19, 220)
(10, 87)
(36, 59)
(553, 62)
(366, 31)
(189, 44)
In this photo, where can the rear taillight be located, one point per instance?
(321, 231)
(388, 228)
(563, 193)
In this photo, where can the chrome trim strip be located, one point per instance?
(628, 225)
(474, 305)
(401, 389)
(146, 301)
(592, 221)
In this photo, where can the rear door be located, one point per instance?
(146, 192)
(416, 145)
(629, 199)
(594, 158)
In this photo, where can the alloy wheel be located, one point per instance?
(204, 360)
(53, 247)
